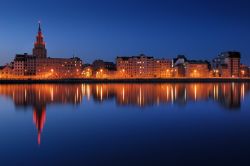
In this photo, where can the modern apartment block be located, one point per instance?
(227, 64)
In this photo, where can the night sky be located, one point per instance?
(105, 29)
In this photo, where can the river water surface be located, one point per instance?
(125, 124)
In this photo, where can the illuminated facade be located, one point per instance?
(39, 66)
(39, 50)
(182, 67)
(143, 67)
(244, 71)
(103, 69)
(227, 64)
(178, 65)
(194, 69)
(6, 71)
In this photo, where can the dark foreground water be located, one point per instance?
(125, 124)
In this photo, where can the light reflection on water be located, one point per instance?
(228, 96)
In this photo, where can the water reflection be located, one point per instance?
(38, 96)
(229, 95)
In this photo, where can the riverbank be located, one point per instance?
(141, 80)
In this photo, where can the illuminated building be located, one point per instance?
(179, 66)
(223, 71)
(87, 71)
(229, 61)
(103, 69)
(244, 71)
(39, 50)
(24, 65)
(100, 64)
(6, 71)
(142, 67)
(196, 69)
(39, 66)
(182, 67)
(180, 59)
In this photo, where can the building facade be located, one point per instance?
(179, 66)
(197, 69)
(39, 66)
(142, 66)
(227, 64)
(182, 67)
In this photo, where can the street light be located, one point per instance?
(242, 72)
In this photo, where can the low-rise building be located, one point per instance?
(87, 71)
(103, 69)
(182, 67)
(197, 69)
(100, 64)
(244, 71)
(6, 72)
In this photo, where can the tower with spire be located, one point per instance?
(39, 50)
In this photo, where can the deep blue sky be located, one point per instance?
(107, 28)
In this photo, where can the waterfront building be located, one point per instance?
(182, 67)
(229, 61)
(179, 70)
(100, 64)
(244, 71)
(103, 69)
(6, 71)
(223, 71)
(39, 66)
(179, 60)
(39, 50)
(142, 66)
(179, 65)
(24, 65)
(196, 69)
(87, 71)
(162, 68)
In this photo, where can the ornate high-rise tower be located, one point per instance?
(39, 49)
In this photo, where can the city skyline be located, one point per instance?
(93, 30)
(40, 66)
(124, 82)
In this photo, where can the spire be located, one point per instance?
(39, 28)
(39, 49)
